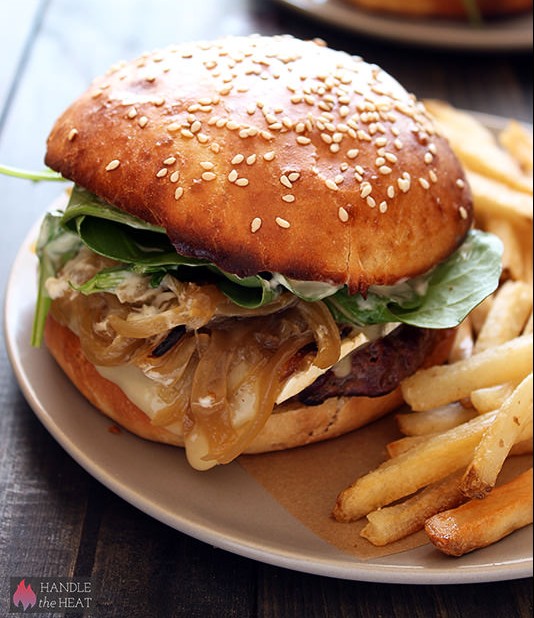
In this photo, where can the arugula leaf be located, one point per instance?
(55, 246)
(115, 234)
(46, 174)
(442, 299)
(439, 299)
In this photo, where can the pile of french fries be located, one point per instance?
(470, 415)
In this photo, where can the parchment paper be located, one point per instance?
(307, 480)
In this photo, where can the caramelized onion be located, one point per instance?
(221, 378)
(325, 331)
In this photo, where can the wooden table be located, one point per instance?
(57, 520)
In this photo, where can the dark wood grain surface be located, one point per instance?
(55, 519)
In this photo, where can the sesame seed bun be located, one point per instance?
(271, 154)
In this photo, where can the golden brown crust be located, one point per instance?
(241, 146)
(439, 8)
(291, 424)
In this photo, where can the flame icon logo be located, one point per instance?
(24, 596)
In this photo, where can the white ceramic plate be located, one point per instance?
(514, 33)
(225, 507)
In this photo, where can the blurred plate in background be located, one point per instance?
(506, 34)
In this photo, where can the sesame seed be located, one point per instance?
(206, 165)
(294, 176)
(174, 176)
(460, 183)
(339, 179)
(383, 206)
(371, 202)
(343, 214)
(285, 181)
(196, 126)
(187, 133)
(433, 176)
(72, 134)
(389, 156)
(242, 182)
(233, 175)
(143, 121)
(178, 193)
(255, 224)
(385, 169)
(173, 127)
(428, 158)
(112, 165)
(162, 172)
(353, 153)
(391, 192)
(424, 183)
(404, 184)
(330, 184)
(202, 138)
(303, 141)
(132, 112)
(208, 176)
(251, 159)
(365, 189)
(283, 223)
(169, 161)
(463, 212)
(288, 198)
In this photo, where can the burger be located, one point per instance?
(264, 236)
(473, 10)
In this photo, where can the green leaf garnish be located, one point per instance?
(439, 299)
(45, 175)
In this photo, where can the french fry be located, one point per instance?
(478, 523)
(462, 346)
(517, 141)
(491, 398)
(492, 197)
(507, 317)
(528, 326)
(436, 386)
(513, 259)
(481, 152)
(496, 442)
(434, 421)
(397, 447)
(479, 314)
(431, 461)
(398, 521)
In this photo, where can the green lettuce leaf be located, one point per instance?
(55, 247)
(439, 299)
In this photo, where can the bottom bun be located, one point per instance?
(291, 424)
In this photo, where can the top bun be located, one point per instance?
(271, 154)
